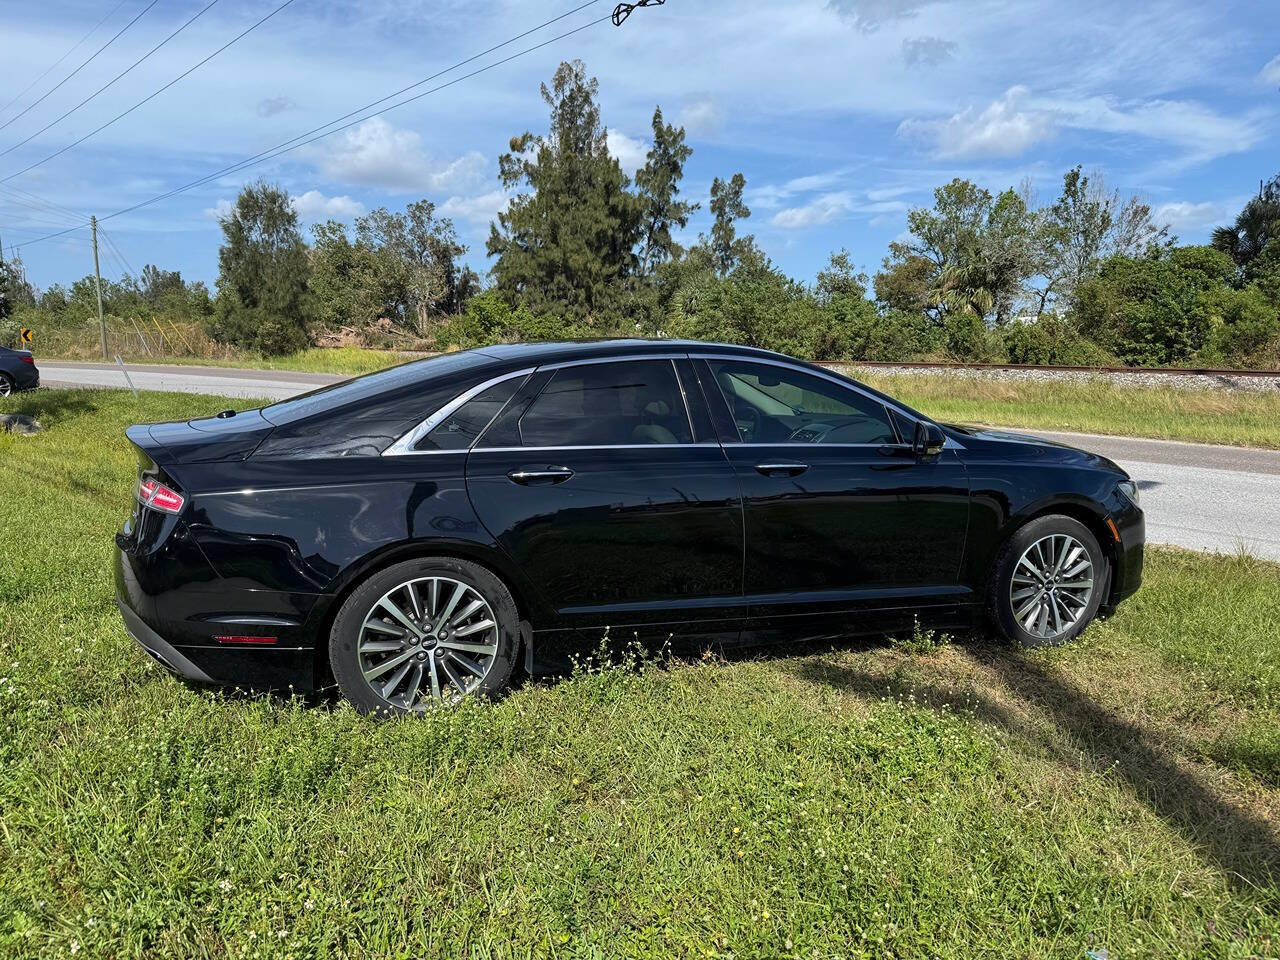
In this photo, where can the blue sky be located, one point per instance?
(841, 114)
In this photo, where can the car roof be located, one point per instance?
(558, 352)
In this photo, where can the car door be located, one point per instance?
(612, 494)
(840, 514)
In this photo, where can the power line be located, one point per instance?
(293, 143)
(12, 195)
(119, 254)
(30, 106)
(299, 141)
(55, 63)
(200, 13)
(150, 96)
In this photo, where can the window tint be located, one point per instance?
(608, 404)
(773, 404)
(460, 429)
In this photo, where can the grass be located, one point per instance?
(338, 360)
(1092, 406)
(863, 801)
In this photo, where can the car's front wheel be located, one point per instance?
(431, 630)
(1048, 582)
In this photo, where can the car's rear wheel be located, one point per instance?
(423, 632)
(6, 385)
(1048, 582)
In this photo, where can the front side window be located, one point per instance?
(772, 404)
(608, 404)
(458, 431)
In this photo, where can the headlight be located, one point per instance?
(1130, 490)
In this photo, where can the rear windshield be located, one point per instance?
(349, 391)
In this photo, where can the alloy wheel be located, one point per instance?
(428, 639)
(6, 386)
(1052, 585)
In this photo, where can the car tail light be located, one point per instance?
(152, 493)
(28, 358)
(243, 640)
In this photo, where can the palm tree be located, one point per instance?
(1257, 223)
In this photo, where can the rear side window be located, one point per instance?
(608, 404)
(459, 430)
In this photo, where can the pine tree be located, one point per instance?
(658, 185)
(263, 301)
(567, 243)
(727, 207)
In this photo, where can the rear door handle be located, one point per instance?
(532, 476)
(781, 469)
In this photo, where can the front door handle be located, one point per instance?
(781, 469)
(532, 476)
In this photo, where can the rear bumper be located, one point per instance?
(195, 647)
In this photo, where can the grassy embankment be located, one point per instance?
(1121, 794)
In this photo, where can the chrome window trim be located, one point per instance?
(404, 446)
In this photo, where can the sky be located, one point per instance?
(842, 114)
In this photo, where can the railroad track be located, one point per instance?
(1038, 368)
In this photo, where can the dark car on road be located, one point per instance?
(418, 533)
(17, 371)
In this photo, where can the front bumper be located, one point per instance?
(1131, 525)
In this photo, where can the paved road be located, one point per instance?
(1195, 495)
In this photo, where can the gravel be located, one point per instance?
(1133, 378)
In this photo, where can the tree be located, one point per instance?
(658, 186)
(728, 207)
(1083, 228)
(1254, 226)
(566, 244)
(157, 284)
(967, 259)
(263, 301)
(1161, 310)
(402, 266)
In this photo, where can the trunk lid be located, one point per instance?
(231, 436)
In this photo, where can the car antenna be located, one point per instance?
(624, 10)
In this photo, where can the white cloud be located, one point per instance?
(377, 154)
(832, 206)
(701, 117)
(479, 209)
(822, 210)
(1271, 72)
(220, 210)
(772, 195)
(869, 14)
(927, 51)
(1006, 128)
(1191, 217)
(314, 205)
(630, 154)
(1202, 132)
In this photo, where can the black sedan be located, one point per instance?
(17, 371)
(418, 533)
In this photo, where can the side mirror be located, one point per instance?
(929, 440)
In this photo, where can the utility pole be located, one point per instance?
(97, 276)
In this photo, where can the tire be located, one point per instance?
(6, 385)
(1024, 612)
(385, 643)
